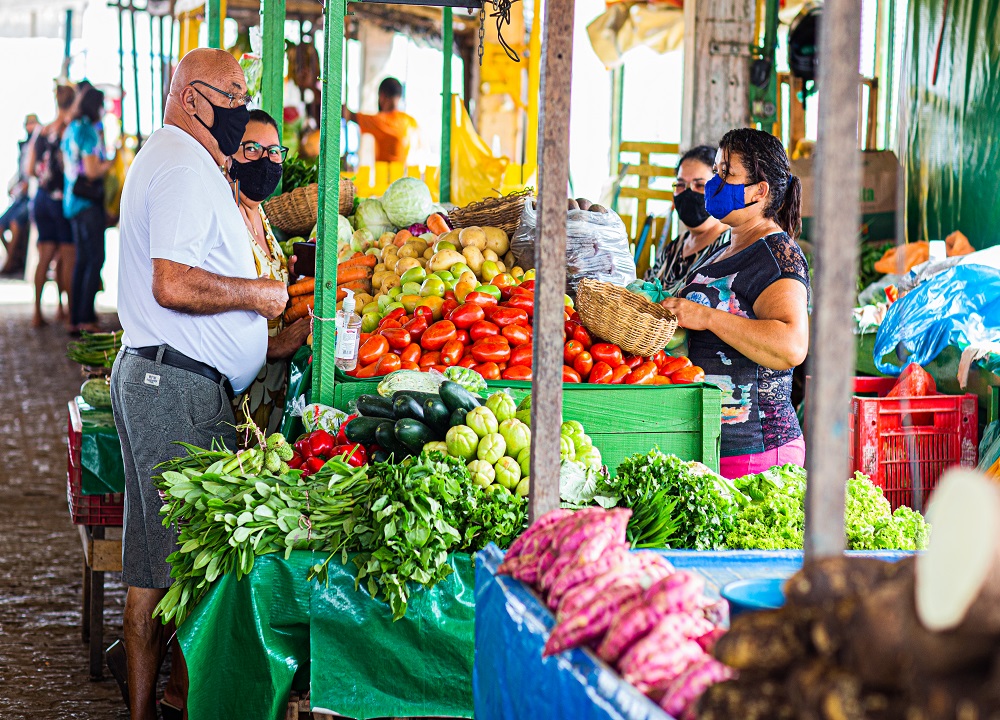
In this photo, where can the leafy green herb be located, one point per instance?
(775, 517)
(96, 349)
(298, 172)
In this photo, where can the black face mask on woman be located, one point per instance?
(257, 178)
(690, 207)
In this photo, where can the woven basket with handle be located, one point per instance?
(295, 212)
(632, 322)
(503, 212)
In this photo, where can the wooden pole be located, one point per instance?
(550, 254)
(448, 40)
(272, 22)
(836, 257)
(324, 329)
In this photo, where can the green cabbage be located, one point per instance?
(371, 215)
(344, 230)
(407, 202)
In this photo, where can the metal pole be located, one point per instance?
(68, 47)
(617, 102)
(550, 254)
(152, 76)
(121, 69)
(448, 40)
(272, 22)
(164, 63)
(837, 217)
(213, 14)
(534, 72)
(324, 330)
(135, 79)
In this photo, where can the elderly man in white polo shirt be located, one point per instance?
(195, 319)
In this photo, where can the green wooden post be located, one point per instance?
(448, 41)
(324, 328)
(135, 80)
(213, 15)
(272, 23)
(617, 103)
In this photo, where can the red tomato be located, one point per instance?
(465, 316)
(522, 290)
(581, 335)
(607, 353)
(463, 337)
(489, 370)
(404, 365)
(416, 327)
(439, 368)
(429, 358)
(386, 323)
(450, 295)
(503, 280)
(398, 337)
(447, 306)
(397, 314)
(388, 363)
(481, 298)
(527, 285)
(483, 329)
(661, 380)
(517, 334)
(491, 349)
(619, 373)
(601, 373)
(642, 375)
(572, 349)
(505, 291)
(583, 363)
(437, 335)
(516, 372)
(691, 374)
(467, 362)
(425, 312)
(522, 302)
(569, 327)
(575, 317)
(570, 375)
(367, 372)
(659, 357)
(410, 354)
(504, 316)
(633, 361)
(373, 348)
(673, 364)
(521, 355)
(502, 366)
(451, 353)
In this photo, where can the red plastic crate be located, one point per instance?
(106, 509)
(904, 444)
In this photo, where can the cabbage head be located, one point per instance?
(344, 230)
(370, 215)
(407, 202)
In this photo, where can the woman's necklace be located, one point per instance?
(258, 234)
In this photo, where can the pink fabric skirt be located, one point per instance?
(739, 465)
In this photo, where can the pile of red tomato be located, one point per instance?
(491, 334)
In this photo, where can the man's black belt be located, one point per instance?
(182, 362)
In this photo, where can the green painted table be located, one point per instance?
(248, 643)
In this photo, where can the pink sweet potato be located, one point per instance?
(689, 686)
(590, 623)
(708, 640)
(671, 631)
(679, 592)
(590, 524)
(578, 572)
(546, 520)
(656, 675)
(560, 563)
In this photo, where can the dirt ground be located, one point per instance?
(43, 661)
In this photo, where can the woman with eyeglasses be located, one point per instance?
(704, 236)
(746, 307)
(255, 170)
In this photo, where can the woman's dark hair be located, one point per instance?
(704, 154)
(91, 105)
(259, 116)
(65, 96)
(765, 160)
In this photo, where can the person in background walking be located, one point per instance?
(194, 312)
(55, 236)
(16, 218)
(394, 131)
(85, 165)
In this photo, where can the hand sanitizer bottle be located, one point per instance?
(348, 334)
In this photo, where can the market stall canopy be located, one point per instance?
(656, 25)
(39, 18)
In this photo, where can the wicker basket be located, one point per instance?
(295, 212)
(632, 322)
(503, 212)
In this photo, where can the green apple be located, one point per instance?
(413, 275)
(412, 288)
(432, 286)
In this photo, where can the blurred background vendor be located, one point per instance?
(394, 131)
(256, 168)
(676, 259)
(746, 307)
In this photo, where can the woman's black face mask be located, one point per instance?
(257, 178)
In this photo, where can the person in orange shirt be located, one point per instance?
(392, 129)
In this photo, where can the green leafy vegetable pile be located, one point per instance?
(774, 518)
(871, 524)
(298, 172)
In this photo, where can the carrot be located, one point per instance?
(437, 224)
(401, 237)
(359, 260)
(299, 310)
(302, 287)
(350, 274)
(357, 286)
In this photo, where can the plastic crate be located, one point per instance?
(106, 509)
(685, 420)
(905, 444)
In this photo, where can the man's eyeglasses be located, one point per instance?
(255, 151)
(698, 186)
(235, 101)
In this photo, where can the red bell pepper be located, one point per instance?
(321, 443)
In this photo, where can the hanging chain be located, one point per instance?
(482, 31)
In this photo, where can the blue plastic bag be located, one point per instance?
(959, 307)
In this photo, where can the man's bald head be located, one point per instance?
(210, 65)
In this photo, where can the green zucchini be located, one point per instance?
(437, 415)
(385, 436)
(404, 406)
(413, 434)
(457, 397)
(362, 429)
(458, 417)
(375, 406)
(420, 397)
(381, 456)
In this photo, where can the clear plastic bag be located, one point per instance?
(596, 246)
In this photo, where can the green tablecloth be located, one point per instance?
(246, 641)
(100, 452)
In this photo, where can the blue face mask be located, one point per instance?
(721, 198)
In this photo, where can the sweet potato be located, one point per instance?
(589, 524)
(583, 594)
(678, 592)
(586, 566)
(709, 639)
(590, 623)
(765, 641)
(559, 563)
(689, 685)
(549, 518)
(655, 676)
(669, 632)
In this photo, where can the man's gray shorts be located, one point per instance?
(156, 405)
